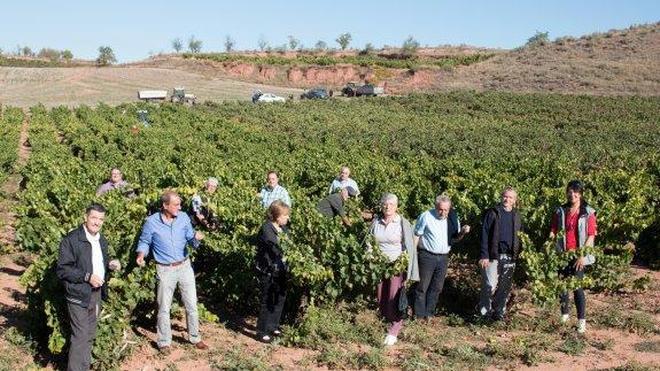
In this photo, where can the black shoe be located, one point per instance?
(265, 338)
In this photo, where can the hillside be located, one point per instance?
(621, 62)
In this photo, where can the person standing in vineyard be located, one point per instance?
(435, 231)
(499, 251)
(201, 214)
(577, 220)
(272, 270)
(116, 182)
(394, 235)
(343, 180)
(82, 266)
(273, 191)
(166, 234)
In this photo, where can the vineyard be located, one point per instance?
(370, 60)
(10, 128)
(466, 145)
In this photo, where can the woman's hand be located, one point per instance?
(580, 263)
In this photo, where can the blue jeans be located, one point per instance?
(168, 279)
(432, 272)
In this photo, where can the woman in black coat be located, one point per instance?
(272, 270)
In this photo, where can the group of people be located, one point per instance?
(83, 264)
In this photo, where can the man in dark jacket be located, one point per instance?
(83, 267)
(499, 251)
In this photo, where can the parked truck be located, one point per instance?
(354, 90)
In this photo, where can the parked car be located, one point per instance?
(258, 96)
(316, 93)
(354, 90)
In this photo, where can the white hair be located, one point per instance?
(389, 197)
(212, 181)
(442, 199)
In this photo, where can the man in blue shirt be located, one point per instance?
(166, 234)
(435, 231)
(273, 191)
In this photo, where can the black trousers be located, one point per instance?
(273, 296)
(432, 272)
(83, 330)
(578, 294)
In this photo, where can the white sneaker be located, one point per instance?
(582, 326)
(564, 318)
(390, 340)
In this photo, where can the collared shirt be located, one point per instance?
(433, 232)
(109, 186)
(278, 193)
(389, 236)
(341, 184)
(98, 268)
(167, 241)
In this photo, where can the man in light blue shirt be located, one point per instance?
(166, 234)
(435, 231)
(343, 181)
(273, 191)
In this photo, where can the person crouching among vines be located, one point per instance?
(272, 270)
(83, 266)
(333, 205)
(394, 235)
(500, 247)
(577, 220)
(201, 214)
(166, 234)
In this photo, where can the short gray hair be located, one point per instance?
(168, 195)
(442, 199)
(389, 197)
(509, 189)
(212, 181)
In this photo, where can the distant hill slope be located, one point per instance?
(620, 62)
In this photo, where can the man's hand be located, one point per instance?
(199, 236)
(200, 216)
(140, 259)
(95, 281)
(579, 264)
(465, 229)
(484, 263)
(114, 265)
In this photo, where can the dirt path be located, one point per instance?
(10, 189)
(13, 264)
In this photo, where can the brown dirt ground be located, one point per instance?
(72, 86)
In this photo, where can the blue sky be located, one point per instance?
(134, 29)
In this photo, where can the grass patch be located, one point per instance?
(648, 346)
(573, 345)
(640, 323)
(241, 358)
(338, 356)
(343, 323)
